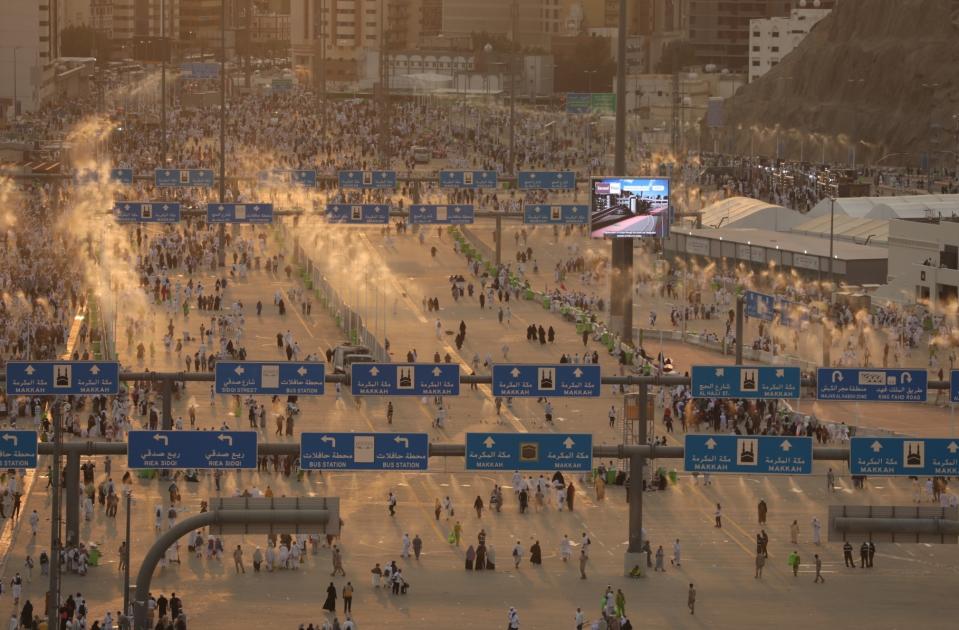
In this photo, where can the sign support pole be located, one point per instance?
(166, 421)
(739, 330)
(53, 593)
(499, 240)
(73, 498)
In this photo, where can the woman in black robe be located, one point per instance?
(470, 558)
(481, 557)
(330, 603)
(536, 554)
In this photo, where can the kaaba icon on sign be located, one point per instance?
(528, 452)
(62, 376)
(746, 451)
(547, 378)
(750, 380)
(913, 454)
(404, 378)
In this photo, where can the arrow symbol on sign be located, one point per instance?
(302, 371)
(785, 445)
(12, 438)
(515, 372)
(225, 438)
(239, 370)
(489, 442)
(876, 446)
(906, 377)
(30, 370)
(568, 442)
(720, 371)
(95, 370)
(162, 438)
(374, 371)
(953, 447)
(710, 443)
(780, 373)
(166, 207)
(836, 376)
(437, 371)
(405, 441)
(577, 372)
(331, 440)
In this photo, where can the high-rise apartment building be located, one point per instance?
(27, 50)
(719, 29)
(345, 37)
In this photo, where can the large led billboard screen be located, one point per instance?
(625, 207)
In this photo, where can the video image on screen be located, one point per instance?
(629, 207)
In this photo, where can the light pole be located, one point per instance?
(16, 102)
(832, 217)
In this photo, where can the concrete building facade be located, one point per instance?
(27, 53)
(770, 40)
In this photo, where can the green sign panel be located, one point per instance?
(603, 102)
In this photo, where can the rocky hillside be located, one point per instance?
(882, 75)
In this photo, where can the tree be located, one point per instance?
(676, 56)
(584, 66)
(77, 41)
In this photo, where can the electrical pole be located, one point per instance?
(221, 230)
(323, 112)
(514, 14)
(163, 54)
(621, 280)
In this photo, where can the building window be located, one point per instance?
(774, 48)
(755, 48)
(755, 33)
(775, 33)
(756, 62)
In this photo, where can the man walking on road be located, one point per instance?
(391, 503)
(238, 559)
(691, 600)
(819, 577)
(794, 562)
(582, 563)
(762, 509)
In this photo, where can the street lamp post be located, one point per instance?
(16, 101)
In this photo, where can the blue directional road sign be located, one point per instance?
(760, 305)
(263, 377)
(191, 449)
(183, 177)
(762, 454)
(529, 451)
(200, 70)
(562, 380)
(358, 214)
(468, 179)
(745, 381)
(54, 378)
(147, 211)
(256, 213)
(405, 379)
(872, 384)
(295, 177)
(18, 449)
(566, 214)
(578, 103)
(546, 180)
(907, 456)
(441, 215)
(364, 451)
(122, 175)
(367, 179)
(954, 386)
